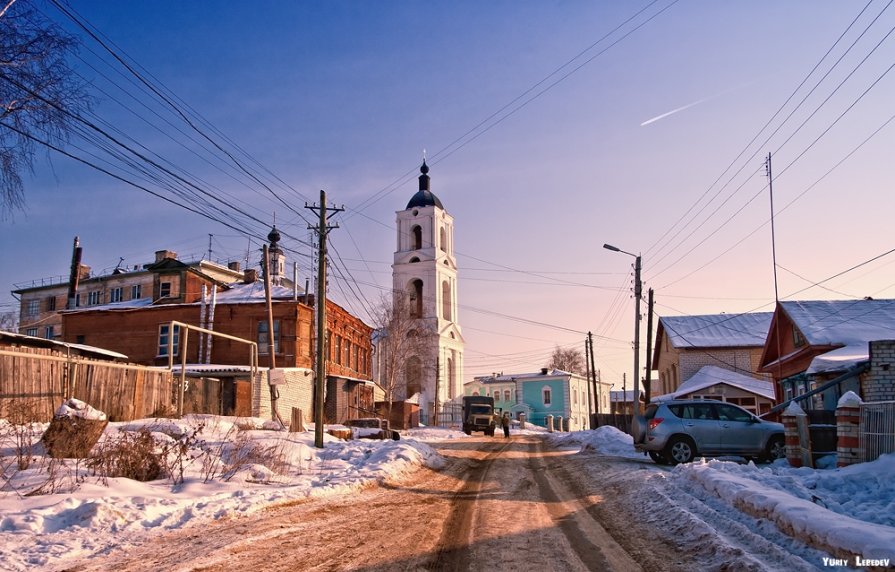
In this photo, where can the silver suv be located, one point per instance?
(678, 431)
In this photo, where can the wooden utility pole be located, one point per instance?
(320, 305)
(593, 370)
(647, 384)
(591, 410)
(437, 380)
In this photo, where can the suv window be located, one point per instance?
(651, 411)
(731, 413)
(702, 411)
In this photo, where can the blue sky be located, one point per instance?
(344, 96)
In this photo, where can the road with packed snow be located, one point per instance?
(513, 504)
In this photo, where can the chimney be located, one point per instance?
(164, 254)
(233, 265)
(250, 276)
(544, 371)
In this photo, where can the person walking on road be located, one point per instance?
(505, 423)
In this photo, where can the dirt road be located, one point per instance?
(510, 504)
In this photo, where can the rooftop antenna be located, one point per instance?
(120, 260)
(210, 236)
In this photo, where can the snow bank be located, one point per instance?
(606, 440)
(847, 512)
(251, 468)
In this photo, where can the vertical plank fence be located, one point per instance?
(44, 379)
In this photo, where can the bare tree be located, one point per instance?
(9, 321)
(401, 339)
(570, 360)
(39, 94)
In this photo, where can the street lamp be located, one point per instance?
(637, 297)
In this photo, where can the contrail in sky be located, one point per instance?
(689, 105)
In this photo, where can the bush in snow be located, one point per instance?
(136, 456)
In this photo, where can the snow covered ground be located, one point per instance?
(238, 466)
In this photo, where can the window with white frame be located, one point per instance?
(33, 307)
(164, 335)
(31, 332)
(136, 291)
(164, 290)
(506, 394)
(94, 298)
(49, 332)
(263, 339)
(547, 395)
(115, 295)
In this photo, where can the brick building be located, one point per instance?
(686, 344)
(164, 279)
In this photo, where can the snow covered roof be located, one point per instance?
(710, 375)
(123, 305)
(212, 368)
(623, 396)
(717, 330)
(839, 359)
(252, 293)
(45, 343)
(845, 322)
(524, 376)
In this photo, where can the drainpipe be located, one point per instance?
(209, 337)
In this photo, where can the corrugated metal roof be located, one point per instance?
(845, 322)
(718, 330)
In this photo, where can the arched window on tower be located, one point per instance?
(442, 239)
(446, 300)
(416, 299)
(416, 237)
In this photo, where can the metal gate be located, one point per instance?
(451, 415)
(877, 431)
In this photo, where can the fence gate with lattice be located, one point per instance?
(877, 432)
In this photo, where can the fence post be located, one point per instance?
(848, 425)
(549, 420)
(522, 421)
(559, 424)
(297, 424)
(792, 416)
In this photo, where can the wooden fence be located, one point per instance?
(43, 379)
(620, 421)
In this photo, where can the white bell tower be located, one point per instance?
(426, 269)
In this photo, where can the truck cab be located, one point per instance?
(478, 414)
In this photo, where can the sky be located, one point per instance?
(550, 128)
(740, 508)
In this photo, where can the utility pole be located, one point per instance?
(437, 380)
(647, 385)
(590, 393)
(593, 370)
(320, 303)
(638, 294)
(778, 393)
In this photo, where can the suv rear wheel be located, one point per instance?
(680, 450)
